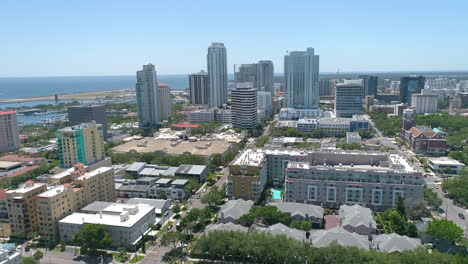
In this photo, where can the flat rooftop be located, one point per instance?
(250, 157)
(195, 148)
(52, 192)
(7, 165)
(445, 161)
(24, 188)
(111, 215)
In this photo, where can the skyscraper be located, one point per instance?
(87, 113)
(83, 143)
(370, 83)
(349, 98)
(164, 102)
(217, 74)
(325, 88)
(199, 88)
(410, 85)
(147, 97)
(244, 106)
(301, 73)
(9, 133)
(266, 76)
(247, 73)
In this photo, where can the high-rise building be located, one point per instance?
(147, 97)
(22, 210)
(301, 73)
(83, 143)
(217, 74)
(325, 88)
(266, 76)
(264, 100)
(199, 88)
(425, 103)
(164, 102)
(349, 97)
(244, 106)
(370, 83)
(87, 113)
(410, 85)
(9, 133)
(395, 86)
(247, 73)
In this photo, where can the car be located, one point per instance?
(462, 216)
(166, 213)
(169, 227)
(204, 190)
(436, 186)
(198, 196)
(441, 211)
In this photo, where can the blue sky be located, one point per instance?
(112, 37)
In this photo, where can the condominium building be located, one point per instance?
(244, 106)
(211, 115)
(296, 114)
(126, 223)
(349, 98)
(199, 88)
(247, 73)
(164, 102)
(22, 208)
(370, 83)
(301, 73)
(80, 189)
(374, 180)
(264, 102)
(9, 133)
(266, 76)
(83, 143)
(425, 103)
(217, 74)
(88, 113)
(147, 97)
(333, 127)
(247, 175)
(410, 85)
(325, 88)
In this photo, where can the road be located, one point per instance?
(157, 253)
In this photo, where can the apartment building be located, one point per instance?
(126, 223)
(247, 175)
(82, 143)
(22, 208)
(81, 189)
(374, 180)
(9, 132)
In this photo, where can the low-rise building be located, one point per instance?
(226, 227)
(10, 254)
(281, 229)
(353, 137)
(393, 242)
(302, 212)
(126, 223)
(247, 175)
(357, 219)
(296, 114)
(155, 188)
(231, 211)
(324, 238)
(445, 165)
(424, 140)
(160, 205)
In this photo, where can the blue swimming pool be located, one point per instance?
(276, 193)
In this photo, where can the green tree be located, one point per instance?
(445, 229)
(266, 215)
(38, 255)
(29, 260)
(457, 188)
(172, 239)
(432, 198)
(214, 197)
(176, 209)
(261, 141)
(400, 206)
(91, 238)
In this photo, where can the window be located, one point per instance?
(396, 194)
(331, 194)
(312, 193)
(353, 195)
(377, 196)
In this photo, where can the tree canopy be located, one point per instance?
(445, 229)
(458, 188)
(91, 238)
(266, 215)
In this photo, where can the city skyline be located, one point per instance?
(57, 41)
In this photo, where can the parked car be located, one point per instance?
(441, 211)
(462, 216)
(198, 196)
(169, 227)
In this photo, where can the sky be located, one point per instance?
(113, 37)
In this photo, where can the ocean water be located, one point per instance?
(11, 88)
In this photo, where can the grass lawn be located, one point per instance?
(147, 245)
(119, 258)
(136, 259)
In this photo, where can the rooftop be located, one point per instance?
(136, 166)
(226, 227)
(180, 182)
(395, 243)
(235, 208)
(191, 169)
(445, 161)
(250, 157)
(323, 238)
(27, 187)
(305, 210)
(52, 192)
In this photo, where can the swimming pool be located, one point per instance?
(276, 193)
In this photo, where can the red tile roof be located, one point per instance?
(186, 124)
(163, 84)
(20, 172)
(7, 112)
(3, 194)
(332, 221)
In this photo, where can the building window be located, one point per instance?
(331, 194)
(312, 193)
(396, 194)
(353, 195)
(377, 196)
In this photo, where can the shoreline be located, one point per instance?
(121, 93)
